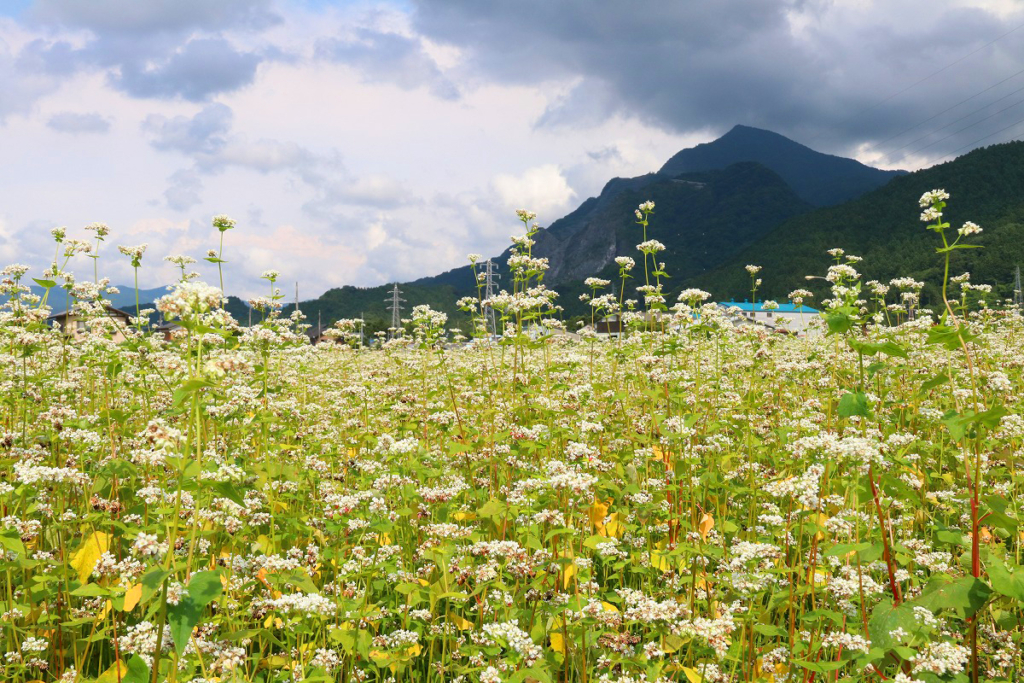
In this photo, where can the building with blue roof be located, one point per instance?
(789, 316)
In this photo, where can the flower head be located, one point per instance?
(223, 222)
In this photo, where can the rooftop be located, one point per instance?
(757, 307)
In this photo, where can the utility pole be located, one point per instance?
(490, 275)
(362, 324)
(395, 306)
(1018, 295)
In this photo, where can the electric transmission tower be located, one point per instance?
(490, 289)
(395, 306)
(1018, 295)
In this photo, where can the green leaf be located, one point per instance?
(11, 540)
(45, 284)
(844, 549)
(138, 672)
(183, 617)
(886, 618)
(854, 404)
(966, 596)
(949, 337)
(492, 508)
(838, 323)
(1006, 580)
(935, 381)
(819, 666)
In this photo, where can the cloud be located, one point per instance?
(75, 123)
(389, 57)
(20, 87)
(154, 16)
(161, 49)
(203, 133)
(197, 71)
(183, 192)
(542, 189)
(812, 69)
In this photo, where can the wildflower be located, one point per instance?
(188, 300)
(59, 233)
(101, 229)
(650, 247)
(134, 253)
(969, 228)
(625, 263)
(222, 222)
(753, 270)
(473, 258)
(525, 216)
(933, 197)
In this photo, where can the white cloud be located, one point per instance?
(541, 189)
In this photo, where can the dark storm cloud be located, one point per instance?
(76, 123)
(808, 68)
(155, 49)
(388, 57)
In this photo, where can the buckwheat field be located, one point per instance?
(696, 499)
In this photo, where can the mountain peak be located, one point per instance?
(818, 178)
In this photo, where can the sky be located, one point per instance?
(361, 143)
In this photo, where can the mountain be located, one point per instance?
(711, 201)
(125, 299)
(819, 179)
(884, 228)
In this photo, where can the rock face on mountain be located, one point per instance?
(819, 179)
(700, 217)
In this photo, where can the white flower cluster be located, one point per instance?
(188, 300)
(516, 638)
(302, 603)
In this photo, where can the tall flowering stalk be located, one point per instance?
(135, 255)
(223, 223)
(953, 333)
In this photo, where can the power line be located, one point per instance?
(959, 149)
(956, 132)
(929, 76)
(930, 118)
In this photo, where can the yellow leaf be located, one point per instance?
(424, 582)
(462, 624)
(613, 528)
(570, 571)
(384, 539)
(261, 576)
(463, 516)
(672, 643)
(115, 673)
(659, 558)
(609, 607)
(132, 597)
(821, 519)
(692, 675)
(598, 511)
(89, 553)
(557, 642)
(414, 651)
(707, 523)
